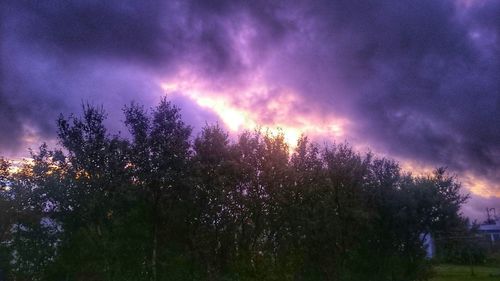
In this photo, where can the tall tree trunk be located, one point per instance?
(154, 254)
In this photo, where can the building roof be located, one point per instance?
(491, 227)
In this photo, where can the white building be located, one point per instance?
(491, 230)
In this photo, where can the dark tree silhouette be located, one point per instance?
(161, 205)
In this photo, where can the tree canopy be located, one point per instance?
(161, 204)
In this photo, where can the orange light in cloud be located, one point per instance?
(236, 107)
(233, 117)
(416, 169)
(481, 187)
(470, 182)
(254, 105)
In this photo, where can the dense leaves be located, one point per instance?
(162, 205)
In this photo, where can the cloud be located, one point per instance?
(413, 80)
(416, 79)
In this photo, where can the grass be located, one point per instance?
(447, 272)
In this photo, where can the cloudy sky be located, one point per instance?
(418, 81)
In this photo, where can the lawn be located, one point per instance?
(463, 273)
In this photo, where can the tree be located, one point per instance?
(159, 162)
(215, 196)
(92, 204)
(155, 205)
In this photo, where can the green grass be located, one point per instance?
(446, 272)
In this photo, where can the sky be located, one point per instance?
(418, 81)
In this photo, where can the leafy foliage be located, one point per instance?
(161, 205)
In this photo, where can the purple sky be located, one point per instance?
(415, 80)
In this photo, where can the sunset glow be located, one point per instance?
(249, 140)
(412, 81)
(278, 110)
(472, 183)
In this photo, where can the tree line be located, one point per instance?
(161, 204)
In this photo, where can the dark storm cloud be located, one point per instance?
(126, 29)
(417, 79)
(53, 54)
(150, 32)
(429, 88)
(52, 50)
